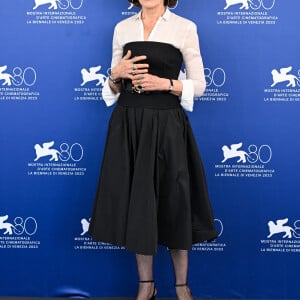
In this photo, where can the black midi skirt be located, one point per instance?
(152, 188)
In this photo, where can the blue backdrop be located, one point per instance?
(54, 59)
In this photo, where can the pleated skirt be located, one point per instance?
(152, 188)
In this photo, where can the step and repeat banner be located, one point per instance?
(54, 58)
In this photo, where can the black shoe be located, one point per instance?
(154, 290)
(184, 285)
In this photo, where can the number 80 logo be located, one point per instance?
(25, 76)
(74, 4)
(216, 77)
(265, 4)
(28, 226)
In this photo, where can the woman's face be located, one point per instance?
(151, 3)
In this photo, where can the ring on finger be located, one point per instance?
(141, 76)
(138, 89)
(134, 67)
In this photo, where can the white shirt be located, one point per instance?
(171, 29)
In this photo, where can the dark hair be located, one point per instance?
(170, 3)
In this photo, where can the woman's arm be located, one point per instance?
(194, 85)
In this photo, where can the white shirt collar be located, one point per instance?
(166, 16)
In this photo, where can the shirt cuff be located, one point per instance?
(187, 96)
(108, 95)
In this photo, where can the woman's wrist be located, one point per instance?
(171, 85)
(114, 77)
(114, 83)
(114, 80)
(174, 86)
(166, 85)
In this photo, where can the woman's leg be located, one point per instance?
(180, 265)
(146, 280)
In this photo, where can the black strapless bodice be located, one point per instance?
(164, 61)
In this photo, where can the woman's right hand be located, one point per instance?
(129, 67)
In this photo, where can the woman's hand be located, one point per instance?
(129, 67)
(149, 82)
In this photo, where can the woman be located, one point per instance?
(152, 187)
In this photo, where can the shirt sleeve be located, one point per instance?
(108, 95)
(194, 85)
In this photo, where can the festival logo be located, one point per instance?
(18, 76)
(44, 150)
(215, 246)
(84, 242)
(284, 86)
(91, 85)
(242, 3)
(247, 12)
(280, 227)
(8, 227)
(215, 85)
(240, 162)
(6, 77)
(56, 12)
(234, 151)
(92, 75)
(18, 83)
(283, 237)
(16, 234)
(85, 226)
(53, 3)
(282, 76)
(66, 160)
(19, 226)
(250, 4)
(262, 154)
(66, 152)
